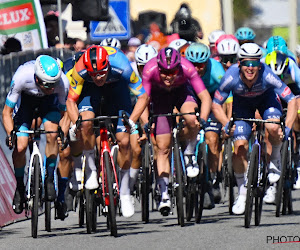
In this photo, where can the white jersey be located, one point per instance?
(23, 81)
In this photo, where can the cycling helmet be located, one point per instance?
(168, 58)
(47, 71)
(228, 47)
(249, 51)
(278, 62)
(95, 58)
(144, 53)
(214, 36)
(226, 36)
(276, 43)
(113, 42)
(60, 62)
(197, 53)
(245, 33)
(183, 49)
(177, 44)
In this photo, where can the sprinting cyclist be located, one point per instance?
(112, 78)
(144, 54)
(37, 83)
(288, 71)
(165, 79)
(279, 44)
(211, 73)
(177, 43)
(245, 35)
(112, 42)
(254, 86)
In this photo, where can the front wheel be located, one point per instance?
(48, 216)
(35, 196)
(90, 210)
(145, 184)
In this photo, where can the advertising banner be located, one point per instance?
(23, 19)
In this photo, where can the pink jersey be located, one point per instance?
(187, 75)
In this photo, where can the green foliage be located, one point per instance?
(242, 10)
(284, 32)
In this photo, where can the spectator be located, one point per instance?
(156, 38)
(51, 23)
(132, 45)
(11, 45)
(185, 25)
(78, 45)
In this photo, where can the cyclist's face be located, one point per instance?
(46, 91)
(201, 68)
(140, 69)
(99, 79)
(249, 69)
(168, 76)
(228, 60)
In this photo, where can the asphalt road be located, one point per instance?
(217, 230)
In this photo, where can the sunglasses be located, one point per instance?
(100, 73)
(47, 85)
(250, 63)
(199, 65)
(231, 59)
(169, 72)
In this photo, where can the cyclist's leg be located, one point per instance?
(297, 135)
(136, 160)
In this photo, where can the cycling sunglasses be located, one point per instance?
(100, 73)
(169, 72)
(250, 63)
(47, 85)
(231, 59)
(200, 65)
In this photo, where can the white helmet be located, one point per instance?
(144, 53)
(250, 51)
(47, 71)
(113, 42)
(177, 44)
(214, 35)
(228, 47)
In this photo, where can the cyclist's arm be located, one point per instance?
(291, 113)
(205, 99)
(64, 123)
(7, 119)
(139, 107)
(217, 109)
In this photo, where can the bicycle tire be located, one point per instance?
(36, 196)
(109, 189)
(89, 211)
(189, 199)
(179, 186)
(81, 210)
(262, 187)
(202, 181)
(145, 184)
(230, 175)
(251, 183)
(281, 182)
(48, 216)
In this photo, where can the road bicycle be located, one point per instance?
(35, 184)
(109, 192)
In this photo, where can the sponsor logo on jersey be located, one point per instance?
(118, 70)
(273, 80)
(134, 78)
(17, 16)
(74, 83)
(286, 92)
(110, 50)
(218, 96)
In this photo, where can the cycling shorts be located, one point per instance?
(164, 101)
(48, 110)
(115, 98)
(213, 125)
(268, 105)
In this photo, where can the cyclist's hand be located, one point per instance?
(72, 133)
(228, 132)
(62, 144)
(142, 138)
(9, 142)
(203, 123)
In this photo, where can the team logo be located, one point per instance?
(286, 92)
(110, 50)
(134, 78)
(218, 96)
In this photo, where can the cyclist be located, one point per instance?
(177, 43)
(144, 54)
(278, 43)
(165, 79)
(113, 42)
(289, 73)
(212, 38)
(112, 78)
(211, 73)
(245, 35)
(37, 83)
(254, 86)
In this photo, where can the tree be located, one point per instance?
(242, 10)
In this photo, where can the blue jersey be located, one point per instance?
(266, 80)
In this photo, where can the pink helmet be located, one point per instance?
(228, 47)
(168, 58)
(227, 36)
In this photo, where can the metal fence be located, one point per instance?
(9, 64)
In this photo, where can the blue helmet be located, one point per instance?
(197, 53)
(245, 33)
(47, 70)
(277, 43)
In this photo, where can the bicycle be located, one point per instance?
(178, 173)
(35, 193)
(257, 170)
(109, 191)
